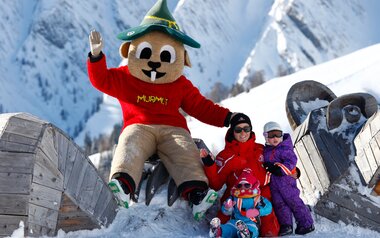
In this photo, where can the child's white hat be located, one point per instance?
(272, 126)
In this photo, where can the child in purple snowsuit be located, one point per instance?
(280, 161)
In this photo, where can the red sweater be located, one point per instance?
(148, 103)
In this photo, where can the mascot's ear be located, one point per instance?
(187, 60)
(123, 50)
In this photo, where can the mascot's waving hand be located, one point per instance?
(151, 90)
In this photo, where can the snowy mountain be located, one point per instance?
(356, 72)
(241, 39)
(44, 45)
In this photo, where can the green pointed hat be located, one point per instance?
(158, 18)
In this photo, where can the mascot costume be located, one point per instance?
(151, 90)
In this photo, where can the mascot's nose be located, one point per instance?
(154, 65)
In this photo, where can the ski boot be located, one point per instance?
(285, 230)
(304, 230)
(242, 228)
(116, 188)
(215, 230)
(200, 209)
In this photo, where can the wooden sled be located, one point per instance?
(332, 154)
(47, 182)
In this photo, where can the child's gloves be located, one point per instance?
(252, 213)
(229, 204)
(274, 169)
(96, 43)
(207, 159)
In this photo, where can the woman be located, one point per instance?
(240, 152)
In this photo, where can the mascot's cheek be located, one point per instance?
(136, 67)
(173, 72)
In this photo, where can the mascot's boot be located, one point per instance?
(120, 191)
(215, 230)
(201, 202)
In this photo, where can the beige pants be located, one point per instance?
(174, 146)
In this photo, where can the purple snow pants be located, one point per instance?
(287, 202)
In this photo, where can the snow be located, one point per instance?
(348, 74)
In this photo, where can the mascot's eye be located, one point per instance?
(167, 54)
(144, 50)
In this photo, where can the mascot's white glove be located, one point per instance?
(96, 43)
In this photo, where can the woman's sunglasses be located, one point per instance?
(273, 134)
(244, 185)
(240, 129)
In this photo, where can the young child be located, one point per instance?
(280, 160)
(245, 206)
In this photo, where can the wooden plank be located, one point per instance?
(16, 162)
(370, 158)
(355, 202)
(62, 150)
(43, 216)
(96, 194)
(335, 160)
(362, 163)
(25, 127)
(365, 134)
(87, 190)
(77, 223)
(30, 117)
(318, 163)
(9, 223)
(43, 196)
(104, 198)
(19, 139)
(71, 217)
(309, 168)
(374, 122)
(338, 214)
(76, 176)
(70, 159)
(38, 230)
(109, 212)
(47, 146)
(15, 183)
(14, 204)
(377, 151)
(16, 147)
(304, 181)
(45, 173)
